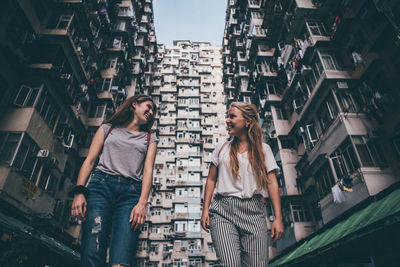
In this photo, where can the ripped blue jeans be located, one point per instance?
(109, 205)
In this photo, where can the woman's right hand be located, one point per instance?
(78, 208)
(205, 220)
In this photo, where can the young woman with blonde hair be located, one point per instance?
(116, 197)
(242, 170)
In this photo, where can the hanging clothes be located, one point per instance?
(339, 196)
(335, 25)
(357, 59)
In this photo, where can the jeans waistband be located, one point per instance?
(116, 178)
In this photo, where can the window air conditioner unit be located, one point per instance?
(342, 85)
(69, 142)
(43, 153)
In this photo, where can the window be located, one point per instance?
(272, 88)
(8, 146)
(106, 85)
(155, 229)
(346, 101)
(254, 2)
(63, 22)
(369, 151)
(311, 135)
(259, 30)
(97, 111)
(287, 144)
(47, 179)
(144, 228)
(63, 129)
(47, 108)
(328, 61)
(280, 113)
(111, 63)
(120, 25)
(142, 245)
(26, 96)
(324, 180)
(299, 213)
(117, 42)
(154, 248)
(25, 159)
(344, 159)
(256, 15)
(318, 69)
(316, 28)
(327, 113)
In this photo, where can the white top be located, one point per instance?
(245, 186)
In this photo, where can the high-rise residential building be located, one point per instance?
(188, 88)
(324, 75)
(65, 66)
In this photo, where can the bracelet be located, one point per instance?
(79, 189)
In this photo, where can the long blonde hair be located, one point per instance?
(255, 150)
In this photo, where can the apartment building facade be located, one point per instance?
(66, 66)
(187, 87)
(324, 75)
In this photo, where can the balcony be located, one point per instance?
(180, 216)
(155, 256)
(181, 254)
(194, 168)
(167, 121)
(263, 52)
(167, 142)
(195, 252)
(142, 253)
(254, 4)
(156, 236)
(180, 199)
(62, 29)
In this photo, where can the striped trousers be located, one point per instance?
(239, 231)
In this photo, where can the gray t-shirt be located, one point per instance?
(124, 152)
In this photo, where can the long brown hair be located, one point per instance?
(124, 114)
(255, 150)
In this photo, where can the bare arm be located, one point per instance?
(273, 190)
(208, 193)
(138, 214)
(94, 151)
(79, 203)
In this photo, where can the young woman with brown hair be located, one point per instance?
(116, 197)
(242, 170)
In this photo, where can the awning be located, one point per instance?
(14, 225)
(374, 217)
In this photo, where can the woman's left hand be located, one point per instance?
(277, 230)
(138, 216)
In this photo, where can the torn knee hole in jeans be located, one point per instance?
(96, 230)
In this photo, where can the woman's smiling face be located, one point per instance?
(143, 111)
(235, 122)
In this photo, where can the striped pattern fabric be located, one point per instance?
(239, 231)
